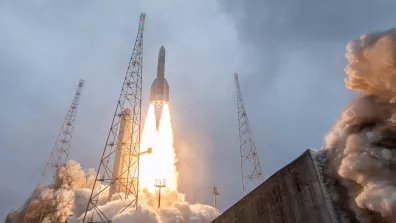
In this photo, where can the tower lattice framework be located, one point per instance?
(250, 163)
(128, 107)
(57, 159)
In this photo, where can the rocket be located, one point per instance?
(159, 92)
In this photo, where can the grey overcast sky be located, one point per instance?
(289, 53)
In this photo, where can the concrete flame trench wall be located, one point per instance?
(293, 194)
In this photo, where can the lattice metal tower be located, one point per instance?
(128, 108)
(250, 163)
(57, 159)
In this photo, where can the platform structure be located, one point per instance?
(295, 193)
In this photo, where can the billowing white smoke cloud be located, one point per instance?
(362, 145)
(173, 209)
(70, 194)
(56, 201)
(178, 211)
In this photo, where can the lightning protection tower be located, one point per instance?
(127, 139)
(57, 159)
(250, 163)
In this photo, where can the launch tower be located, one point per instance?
(122, 148)
(57, 159)
(250, 163)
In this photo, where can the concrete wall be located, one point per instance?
(293, 194)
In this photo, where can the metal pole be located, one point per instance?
(215, 193)
(159, 198)
(159, 183)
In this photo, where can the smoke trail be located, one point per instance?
(361, 148)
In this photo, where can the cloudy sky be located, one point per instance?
(290, 56)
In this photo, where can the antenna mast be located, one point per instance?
(123, 145)
(250, 163)
(57, 159)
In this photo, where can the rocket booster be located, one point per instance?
(159, 92)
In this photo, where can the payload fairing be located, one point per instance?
(159, 92)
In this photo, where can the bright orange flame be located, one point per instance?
(161, 162)
(165, 145)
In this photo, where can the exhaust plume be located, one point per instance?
(70, 202)
(160, 164)
(360, 150)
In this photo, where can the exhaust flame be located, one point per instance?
(147, 169)
(165, 149)
(160, 164)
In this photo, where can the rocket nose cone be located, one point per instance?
(162, 50)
